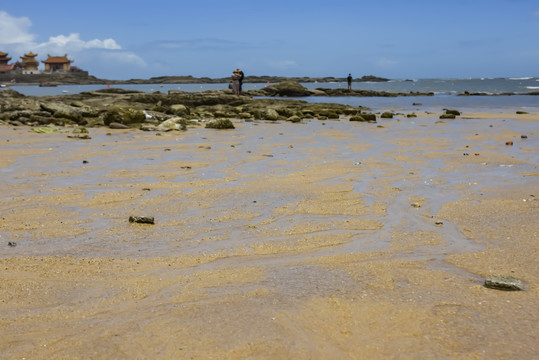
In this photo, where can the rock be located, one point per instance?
(180, 109)
(116, 125)
(131, 116)
(220, 124)
(523, 136)
(387, 115)
(509, 143)
(357, 118)
(368, 117)
(453, 112)
(80, 136)
(286, 89)
(111, 116)
(521, 112)
(142, 219)
(294, 119)
(270, 114)
(11, 244)
(175, 123)
(447, 116)
(507, 283)
(80, 130)
(46, 130)
(61, 110)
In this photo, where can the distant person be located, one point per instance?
(241, 79)
(349, 78)
(235, 83)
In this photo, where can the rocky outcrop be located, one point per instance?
(286, 89)
(177, 110)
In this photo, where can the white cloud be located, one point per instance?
(73, 43)
(17, 39)
(282, 64)
(14, 30)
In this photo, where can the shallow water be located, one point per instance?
(274, 240)
(249, 175)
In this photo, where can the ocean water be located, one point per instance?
(437, 86)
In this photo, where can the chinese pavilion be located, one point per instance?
(4, 67)
(29, 63)
(57, 63)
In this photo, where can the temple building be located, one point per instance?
(4, 67)
(29, 64)
(57, 63)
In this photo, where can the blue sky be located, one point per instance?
(119, 39)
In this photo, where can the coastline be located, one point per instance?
(291, 241)
(82, 79)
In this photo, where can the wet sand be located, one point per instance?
(328, 239)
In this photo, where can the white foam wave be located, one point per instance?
(532, 87)
(522, 78)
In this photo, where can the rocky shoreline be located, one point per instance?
(118, 108)
(81, 78)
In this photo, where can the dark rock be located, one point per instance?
(507, 283)
(521, 112)
(447, 116)
(368, 117)
(453, 112)
(12, 244)
(111, 116)
(387, 115)
(80, 136)
(220, 124)
(357, 118)
(142, 219)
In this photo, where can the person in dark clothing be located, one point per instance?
(241, 79)
(349, 78)
(235, 84)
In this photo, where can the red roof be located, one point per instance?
(30, 54)
(6, 68)
(57, 60)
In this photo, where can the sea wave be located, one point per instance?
(532, 87)
(522, 78)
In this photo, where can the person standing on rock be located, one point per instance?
(241, 79)
(235, 83)
(349, 78)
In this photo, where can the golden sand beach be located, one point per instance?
(320, 240)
